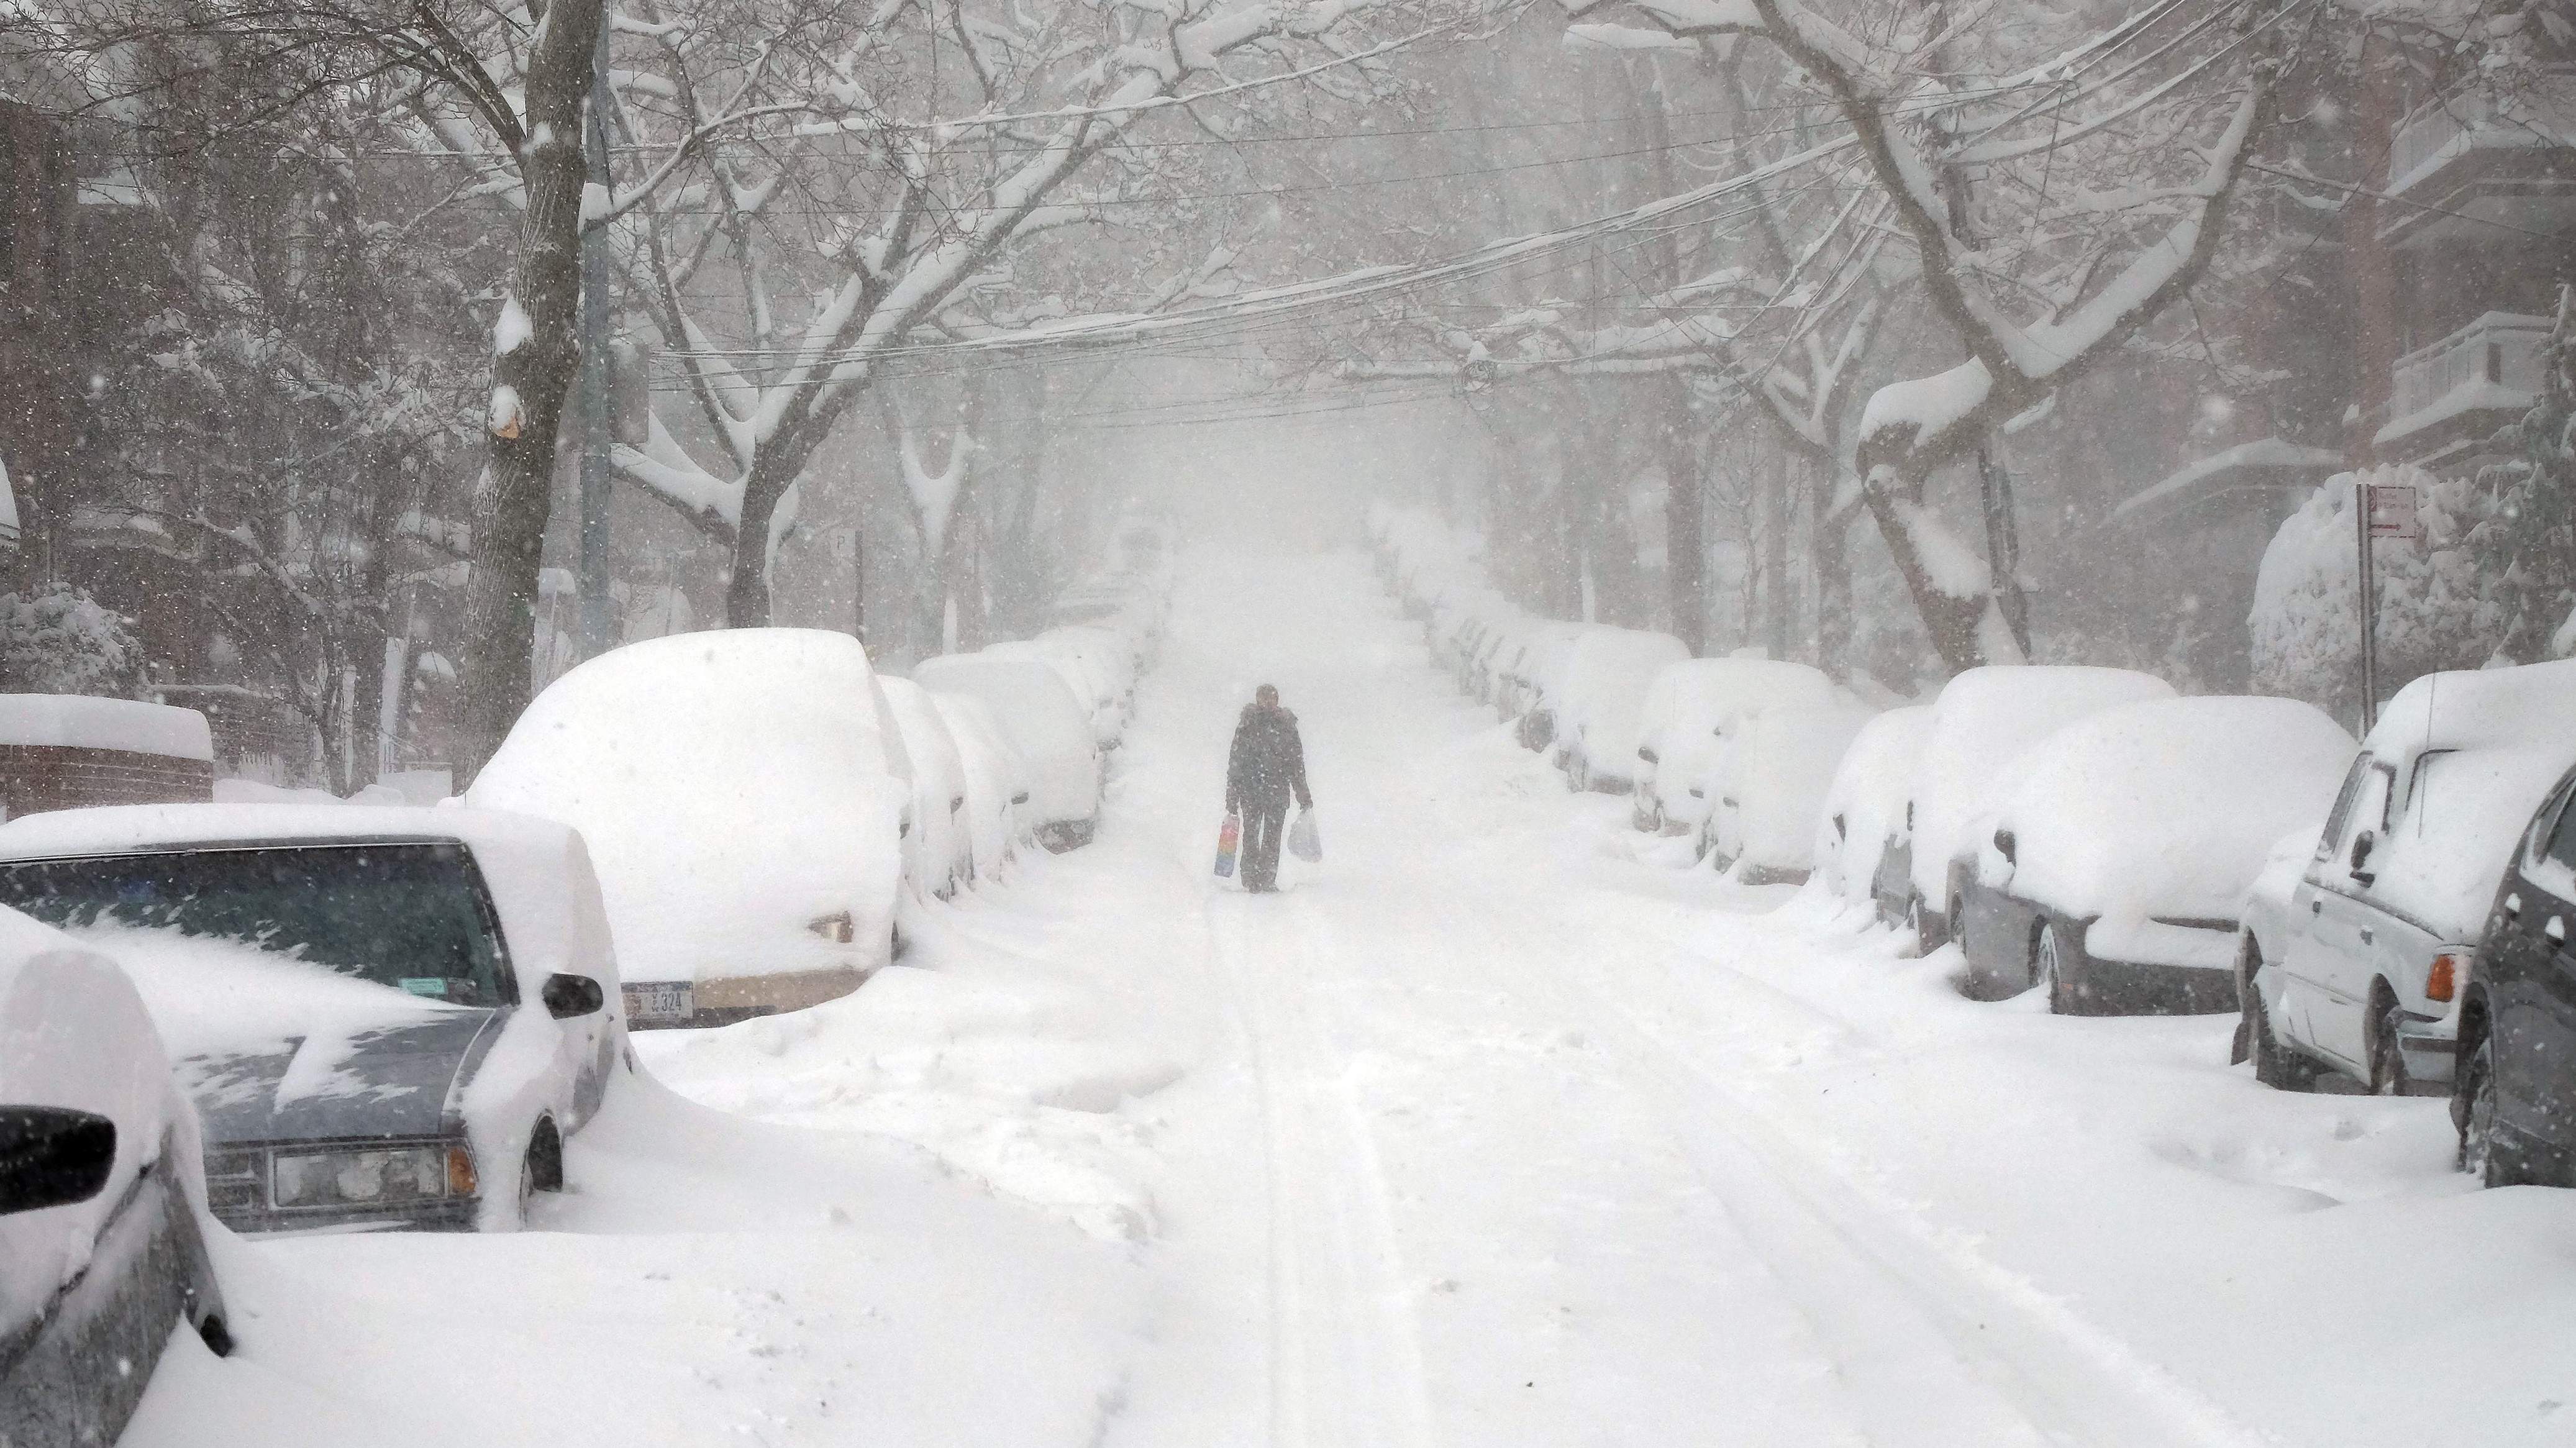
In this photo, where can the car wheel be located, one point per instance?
(2275, 1065)
(2483, 1151)
(2387, 1062)
(2048, 972)
(542, 1169)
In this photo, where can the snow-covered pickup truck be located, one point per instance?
(386, 1017)
(2354, 962)
(102, 1247)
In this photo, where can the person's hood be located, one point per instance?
(1252, 712)
(392, 1081)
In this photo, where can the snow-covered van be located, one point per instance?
(1981, 723)
(67, 751)
(2352, 959)
(996, 779)
(385, 1015)
(101, 1241)
(745, 801)
(2110, 873)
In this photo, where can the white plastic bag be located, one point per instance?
(1303, 842)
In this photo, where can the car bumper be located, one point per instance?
(2432, 1053)
(451, 1215)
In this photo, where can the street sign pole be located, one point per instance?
(2363, 509)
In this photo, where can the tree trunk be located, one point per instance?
(514, 499)
(1685, 540)
(1952, 621)
(1830, 544)
(1779, 608)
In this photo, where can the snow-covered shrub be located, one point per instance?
(2529, 542)
(2435, 609)
(56, 639)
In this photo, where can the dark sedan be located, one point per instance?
(2514, 1095)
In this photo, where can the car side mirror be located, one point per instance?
(2362, 845)
(53, 1157)
(2004, 843)
(1647, 754)
(567, 996)
(1840, 832)
(956, 802)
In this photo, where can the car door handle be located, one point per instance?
(2316, 907)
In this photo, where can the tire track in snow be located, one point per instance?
(1346, 1369)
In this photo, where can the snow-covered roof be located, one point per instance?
(80, 721)
(538, 871)
(2268, 463)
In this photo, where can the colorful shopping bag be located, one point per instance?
(1229, 836)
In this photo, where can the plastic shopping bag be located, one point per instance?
(1228, 836)
(1303, 842)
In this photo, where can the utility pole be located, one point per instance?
(595, 623)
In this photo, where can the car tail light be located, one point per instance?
(2444, 982)
(461, 1181)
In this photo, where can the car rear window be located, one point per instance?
(412, 916)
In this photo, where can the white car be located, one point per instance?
(2113, 864)
(1981, 723)
(1046, 723)
(1772, 782)
(1690, 708)
(386, 1016)
(745, 800)
(996, 782)
(1864, 814)
(101, 1238)
(2355, 962)
(938, 851)
(1601, 709)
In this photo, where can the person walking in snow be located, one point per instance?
(1268, 765)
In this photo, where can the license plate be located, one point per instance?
(660, 1002)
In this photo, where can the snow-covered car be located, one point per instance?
(1689, 709)
(2122, 845)
(1859, 841)
(1047, 725)
(102, 1247)
(2357, 967)
(2514, 1095)
(1772, 782)
(745, 801)
(1601, 717)
(996, 781)
(1538, 683)
(1092, 685)
(386, 1016)
(1111, 655)
(938, 851)
(69, 751)
(1982, 721)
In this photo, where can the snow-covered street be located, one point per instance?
(1493, 1129)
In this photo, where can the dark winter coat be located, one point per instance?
(1268, 762)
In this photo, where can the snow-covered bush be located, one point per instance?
(2435, 610)
(56, 639)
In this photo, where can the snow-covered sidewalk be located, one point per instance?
(1486, 1132)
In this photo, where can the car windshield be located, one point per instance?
(411, 916)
